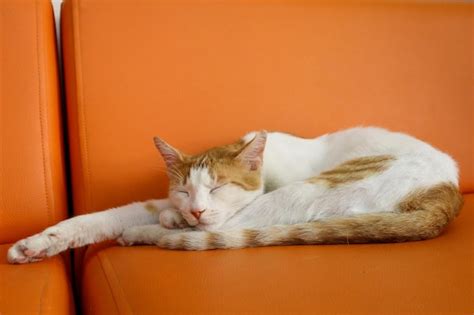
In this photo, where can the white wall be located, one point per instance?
(57, 14)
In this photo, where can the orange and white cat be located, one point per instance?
(354, 186)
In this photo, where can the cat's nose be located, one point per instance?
(197, 213)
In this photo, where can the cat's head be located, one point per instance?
(209, 188)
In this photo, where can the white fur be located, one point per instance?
(84, 230)
(288, 161)
(416, 165)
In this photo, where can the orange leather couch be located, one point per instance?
(32, 173)
(204, 72)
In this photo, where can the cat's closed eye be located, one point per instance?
(216, 188)
(184, 192)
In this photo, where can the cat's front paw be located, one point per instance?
(37, 247)
(171, 219)
(129, 237)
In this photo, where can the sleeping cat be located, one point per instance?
(354, 186)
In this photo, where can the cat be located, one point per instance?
(358, 185)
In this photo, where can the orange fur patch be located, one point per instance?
(222, 165)
(151, 207)
(237, 174)
(250, 237)
(215, 240)
(443, 198)
(353, 170)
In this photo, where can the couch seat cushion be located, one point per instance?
(39, 288)
(434, 276)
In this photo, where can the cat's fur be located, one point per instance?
(354, 186)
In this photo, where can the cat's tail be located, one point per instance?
(422, 215)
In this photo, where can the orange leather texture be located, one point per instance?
(429, 277)
(39, 288)
(32, 183)
(202, 73)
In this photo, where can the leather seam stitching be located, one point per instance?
(41, 118)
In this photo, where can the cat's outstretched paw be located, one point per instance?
(37, 247)
(17, 254)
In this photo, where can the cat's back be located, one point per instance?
(290, 158)
(414, 153)
(364, 141)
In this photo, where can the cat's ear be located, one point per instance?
(170, 155)
(252, 154)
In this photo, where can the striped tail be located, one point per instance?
(422, 215)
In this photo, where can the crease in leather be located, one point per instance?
(111, 276)
(2, 13)
(41, 102)
(41, 110)
(80, 108)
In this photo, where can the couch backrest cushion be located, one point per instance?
(32, 184)
(201, 73)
